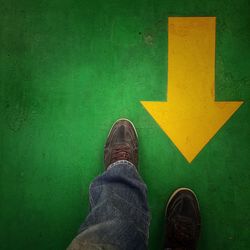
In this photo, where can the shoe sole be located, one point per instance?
(122, 119)
(178, 190)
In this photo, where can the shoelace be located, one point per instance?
(120, 152)
(184, 230)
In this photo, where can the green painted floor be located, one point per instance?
(69, 69)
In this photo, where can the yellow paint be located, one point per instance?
(191, 116)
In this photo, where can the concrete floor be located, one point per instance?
(69, 69)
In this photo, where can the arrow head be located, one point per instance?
(191, 126)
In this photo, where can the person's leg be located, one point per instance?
(182, 221)
(119, 216)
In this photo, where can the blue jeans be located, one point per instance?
(119, 216)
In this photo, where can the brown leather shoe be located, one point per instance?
(122, 143)
(182, 221)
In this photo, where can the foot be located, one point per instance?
(182, 221)
(122, 143)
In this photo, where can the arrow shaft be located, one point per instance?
(191, 59)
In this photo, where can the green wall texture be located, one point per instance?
(69, 69)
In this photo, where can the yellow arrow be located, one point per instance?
(191, 116)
